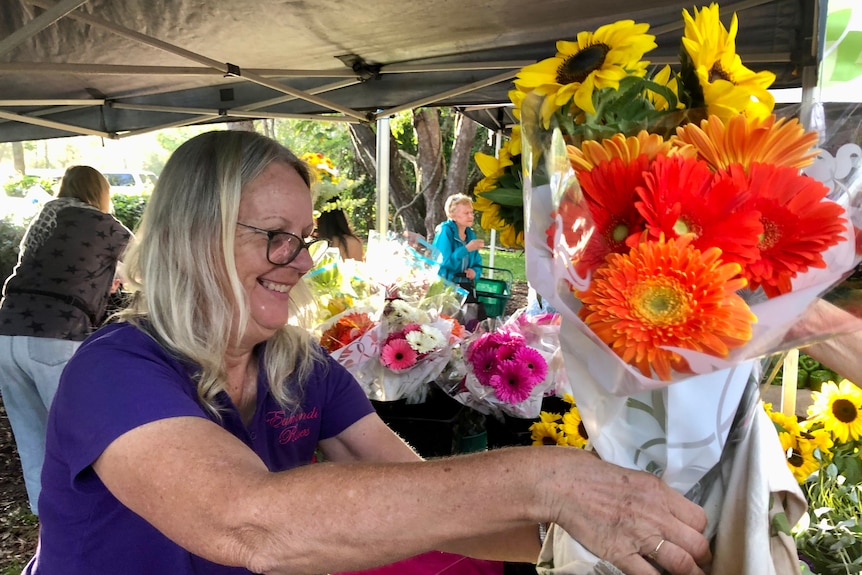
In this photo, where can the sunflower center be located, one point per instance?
(548, 441)
(770, 236)
(661, 303)
(582, 431)
(794, 458)
(717, 73)
(578, 66)
(844, 410)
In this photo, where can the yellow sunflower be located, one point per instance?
(543, 433)
(820, 439)
(800, 456)
(592, 152)
(747, 141)
(783, 423)
(573, 428)
(728, 86)
(665, 77)
(839, 409)
(491, 218)
(594, 61)
(549, 417)
(517, 96)
(515, 141)
(484, 185)
(511, 238)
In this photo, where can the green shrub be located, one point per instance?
(18, 188)
(10, 239)
(129, 209)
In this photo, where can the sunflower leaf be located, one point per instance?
(506, 196)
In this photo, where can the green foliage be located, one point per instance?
(831, 537)
(17, 188)
(129, 209)
(10, 240)
(508, 260)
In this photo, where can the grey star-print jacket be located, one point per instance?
(66, 265)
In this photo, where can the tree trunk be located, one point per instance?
(18, 157)
(430, 165)
(459, 162)
(365, 143)
(245, 125)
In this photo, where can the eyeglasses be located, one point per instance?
(283, 247)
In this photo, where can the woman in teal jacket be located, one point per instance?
(456, 240)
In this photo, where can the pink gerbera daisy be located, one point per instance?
(484, 362)
(534, 363)
(397, 355)
(508, 350)
(513, 382)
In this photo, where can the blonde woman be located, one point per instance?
(457, 242)
(55, 297)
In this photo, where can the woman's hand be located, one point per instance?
(630, 518)
(470, 273)
(474, 245)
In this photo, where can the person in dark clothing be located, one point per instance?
(56, 296)
(332, 225)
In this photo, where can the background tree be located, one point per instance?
(431, 153)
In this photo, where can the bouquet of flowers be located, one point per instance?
(564, 429)
(509, 370)
(824, 452)
(397, 356)
(336, 287)
(399, 339)
(671, 225)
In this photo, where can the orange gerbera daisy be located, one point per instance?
(663, 294)
(748, 141)
(610, 192)
(345, 330)
(592, 152)
(798, 225)
(682, 195)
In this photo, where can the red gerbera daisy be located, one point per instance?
(798, 225)
(667, 293)
(683, 195)
(610, 192)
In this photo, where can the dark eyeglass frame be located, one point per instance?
(303, 244)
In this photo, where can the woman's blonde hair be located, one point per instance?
(454, 201)
(88, 185)
(181, 265)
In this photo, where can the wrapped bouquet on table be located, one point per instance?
(399, 341)
(670, 223)
(508, 370)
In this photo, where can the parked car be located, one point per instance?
(131, 182)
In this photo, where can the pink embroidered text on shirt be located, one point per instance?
(291, 430)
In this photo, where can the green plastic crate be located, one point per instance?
(494, 295)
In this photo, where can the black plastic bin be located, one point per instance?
(429, 427)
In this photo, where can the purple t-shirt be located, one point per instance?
(120, 379)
